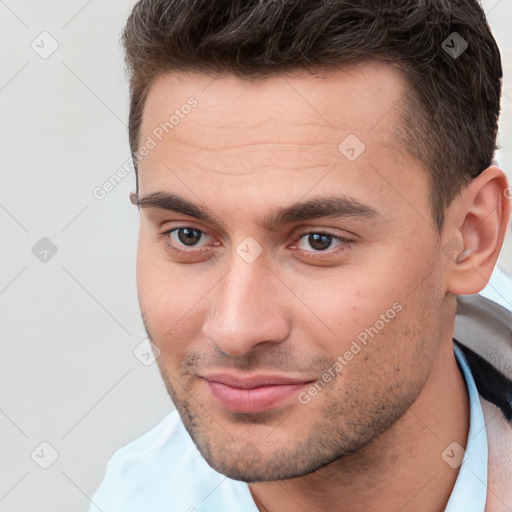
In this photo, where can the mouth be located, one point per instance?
(252, 394)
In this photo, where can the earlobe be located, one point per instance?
(478, 220)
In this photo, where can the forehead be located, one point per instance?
(282, 133)
(309, 113)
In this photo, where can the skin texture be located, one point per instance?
(373, 436)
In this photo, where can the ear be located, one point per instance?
(475, 226)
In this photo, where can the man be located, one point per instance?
(316, 189)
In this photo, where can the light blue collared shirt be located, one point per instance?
(470, 491)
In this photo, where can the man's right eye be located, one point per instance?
(181, 237)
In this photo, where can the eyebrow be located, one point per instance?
(317, 208)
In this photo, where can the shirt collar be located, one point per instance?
(470, 489)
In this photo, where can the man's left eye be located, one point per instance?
(320, 241)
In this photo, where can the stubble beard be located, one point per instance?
(340, 431)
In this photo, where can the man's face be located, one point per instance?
(253, 303)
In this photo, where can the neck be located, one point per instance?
(402, 469)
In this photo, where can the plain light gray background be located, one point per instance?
(71, 323)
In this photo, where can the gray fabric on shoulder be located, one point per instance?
(486, 328)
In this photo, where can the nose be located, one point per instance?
(247, 310)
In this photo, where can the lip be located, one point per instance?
(252, 394)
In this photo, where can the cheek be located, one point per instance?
(171, 298)
(347, 302)
(379, 305)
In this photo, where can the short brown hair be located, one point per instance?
(451, 114)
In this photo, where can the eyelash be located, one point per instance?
(345, 242)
